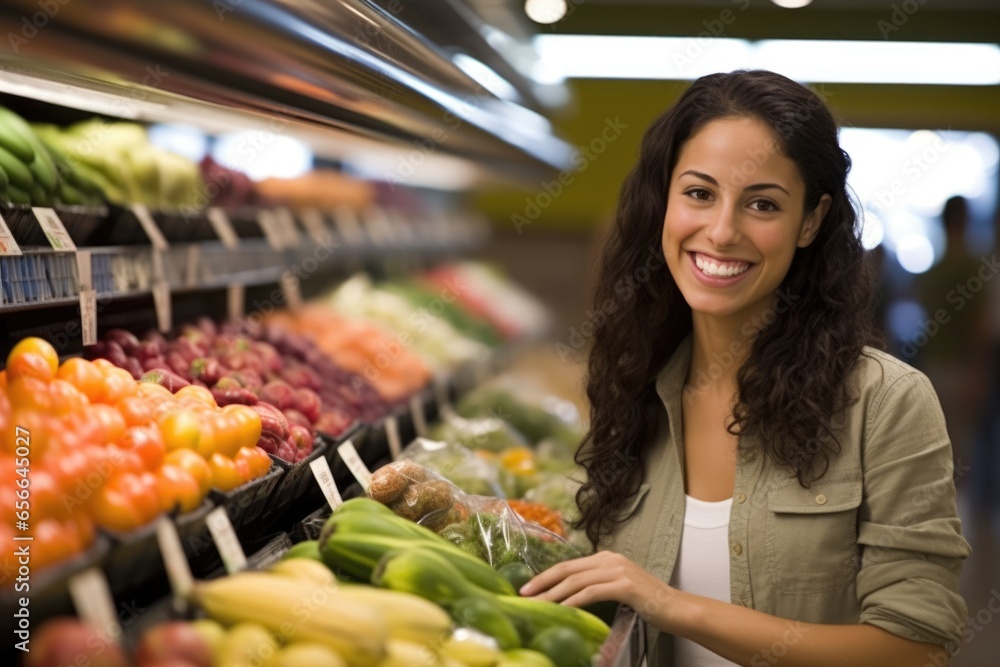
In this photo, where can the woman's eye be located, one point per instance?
(701, 194)
(764, 206)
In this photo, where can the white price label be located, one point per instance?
(8, 246)
(54, 229)
(236, 295)
(221, 528)
(162, 302)
(392, 435)
(94, 604)
(346, 221)
(84, 273)
(159, 270)
(272, 230)
(292, 289)
(149, 226)
(223, 227)
(178, 570)
(315, 226)
(88, 317)
(417, 412)
(441, 393)
(354, 463)
(321, 471)
(289, 230)
(193, 265)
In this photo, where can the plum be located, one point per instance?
(308, 403)
(279, 394)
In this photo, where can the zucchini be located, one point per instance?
(481, 613)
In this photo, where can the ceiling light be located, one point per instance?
(545, 11)
(791, 4)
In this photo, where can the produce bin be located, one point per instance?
(248, 503)
(298, 485)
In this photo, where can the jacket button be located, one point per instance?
(742, 498)
(737, 549)
(821, 499)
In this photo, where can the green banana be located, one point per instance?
(4, 180)
(39, 196)
(17, 195)
(17, 171)
(14, 136)
(70, 195)
(44, 171)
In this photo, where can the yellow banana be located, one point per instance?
(247, 645)
(408, 617)
(408, 654)
(305, 569)
(307, 654)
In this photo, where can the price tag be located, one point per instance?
(149, 226)
(346, 221)
(192, 265)
(316, 228)
(272, 231)
(8, 246)
(159, 271)
(223, 227)
(292, 289)
(354, 463)
(84, 273)
(178, 570)
(321, 471)
(225, 540)
(88, 316)
(441, 393)
(92, 598)
(392, 436)
(236, 300)
(289, 231)
(161, 300)
(417, 412)
(54, 229)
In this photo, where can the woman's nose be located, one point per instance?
(724, 230)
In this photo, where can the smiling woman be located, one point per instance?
(782, 487)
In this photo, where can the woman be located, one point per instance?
(764, 485)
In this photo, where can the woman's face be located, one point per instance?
(734, 218)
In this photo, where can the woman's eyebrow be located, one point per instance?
(750, 188)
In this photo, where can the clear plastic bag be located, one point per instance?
(460, 465)
(484, 526)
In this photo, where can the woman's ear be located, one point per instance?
(810, 226)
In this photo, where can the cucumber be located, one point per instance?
(480, 613)
(564, 646)
(523, 657)
(517, 573)
(306, 549)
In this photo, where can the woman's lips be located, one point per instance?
(716, 281)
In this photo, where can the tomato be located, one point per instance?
(145, 496)
(85, 529)
(106, 424)
(3, 379)
(113, 509)
(243, 468)
(85, 376)
(33, 357)
(200, 394)
(124, 460)
(104, 366)
(246, 422)
(66, 399)
(53, 542)
(151, 389)
(79, 474)
(225, 474)
(227, 435)
(29, 393)
(194, 464)
(147, 442)
(177, 488)
(135, 410)
(257, 460)
(180, 429)
(46, 496)
(118, 384)
(32, 430)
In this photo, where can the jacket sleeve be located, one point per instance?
(909, 534)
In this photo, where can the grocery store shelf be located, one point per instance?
(333, 71)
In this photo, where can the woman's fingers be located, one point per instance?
(573, 584)
(552, 576)
(592, 594)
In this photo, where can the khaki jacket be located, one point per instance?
(876, 540)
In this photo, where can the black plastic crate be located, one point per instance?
(298, 483)
(246, 504)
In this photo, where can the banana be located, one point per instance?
(297, 611)
(407, 654)
(408, 617)
(39, 196)
(43, 169)
(17, 171)
(4, 180)
(307, 654)
(17, 195)
(70, 195)
(471, 652)
(305, 569)
(14, 133)
(247, 645)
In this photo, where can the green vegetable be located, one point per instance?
(491, 434)
(534, 422)
(306, 549)
(518, 574)
(487, 536)
(480, 613)
(564, 646)
(523, 657)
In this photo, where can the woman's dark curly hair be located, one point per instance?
(792, 385)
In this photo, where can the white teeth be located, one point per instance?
(711, 268)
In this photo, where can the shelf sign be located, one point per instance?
(236, 300)
(221, 528)
(346, 221)
(354, 463)
(292, 289)
(161, 300)
(286, 223)
(92, 599)
(178, 570)
(321, 471)
(272, 230)
(223, 227)
(145, 218)
(8, 246)
(392, 436)
(55, 231)
(417, 411)
(316, 228)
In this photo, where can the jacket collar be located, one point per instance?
(670, 388)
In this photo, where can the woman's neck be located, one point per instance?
(720, 345)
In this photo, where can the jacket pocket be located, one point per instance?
(812, 534)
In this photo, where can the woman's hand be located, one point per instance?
(598, 578)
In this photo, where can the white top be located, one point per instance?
(703, 569)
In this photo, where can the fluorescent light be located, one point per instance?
(486, 77)
(915, 253)
(64, 94)
(545, 11)
(792, 4)
(831, 61)
(262, 154)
